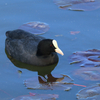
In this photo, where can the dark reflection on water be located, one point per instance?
(44, 80)
(42, 70)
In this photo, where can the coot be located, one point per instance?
(31, 49)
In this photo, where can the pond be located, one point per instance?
(73, 30)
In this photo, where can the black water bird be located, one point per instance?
(31, 49)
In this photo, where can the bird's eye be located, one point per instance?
(51, 45)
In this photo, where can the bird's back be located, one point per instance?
(22, 46)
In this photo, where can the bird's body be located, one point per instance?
(23, 46)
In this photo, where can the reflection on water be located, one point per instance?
(44, 80)
(53, 83)
(42, 71)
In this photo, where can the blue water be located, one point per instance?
(61, 22)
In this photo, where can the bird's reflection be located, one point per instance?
(42, 71)
(45, 79)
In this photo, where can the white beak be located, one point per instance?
(59, 51)
(57, 48)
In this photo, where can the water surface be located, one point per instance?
(61, 22)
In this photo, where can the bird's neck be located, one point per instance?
(43, 54)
